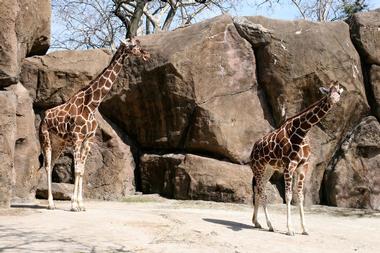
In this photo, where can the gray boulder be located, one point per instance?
(195, 177)
(8, 105)
(353, 180)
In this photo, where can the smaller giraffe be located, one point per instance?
(73, 123)
(287, 150)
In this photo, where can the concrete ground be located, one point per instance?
(153, 224)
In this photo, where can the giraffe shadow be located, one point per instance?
(235, 226)
(26, 206)
(37, 207)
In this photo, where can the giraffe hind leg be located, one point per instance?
(300, 183)
(257, 191)
(47, 152)
(288, 175)
(256, 208)
(267, 175)
(78, 169)
(81, 151)
(86, 146)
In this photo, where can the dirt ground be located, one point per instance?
(153, 224)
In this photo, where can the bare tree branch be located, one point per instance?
(101, 23)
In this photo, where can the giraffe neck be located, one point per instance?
(101, 85)
(302, 122)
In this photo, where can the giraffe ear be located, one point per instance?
(123, 41)
(324, 90)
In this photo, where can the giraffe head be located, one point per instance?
(334, 92)
(133, 47)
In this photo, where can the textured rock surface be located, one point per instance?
(375, 88)
(110, 166)
(27, 148)
(8, 104)
(195, 177)
(25, 31)
(199, 96)
(8, 53)
(301, 57)
(354, 179)
(365, 33)
(55, 77)
(60, 191)
(198, 93)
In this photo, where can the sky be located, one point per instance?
(279, 11)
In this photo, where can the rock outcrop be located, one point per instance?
(8, 105)
(198, 94)
(375, 88)
(25, 31)
(53, 78)
(195, 177)
(110, 165)
(365, 34)
(193, 111)
(27, 148)
(353, 180)
(60, 191)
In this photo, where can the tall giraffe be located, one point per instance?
(287, 150)
(73, 123)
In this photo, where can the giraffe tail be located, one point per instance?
(44, 139)
(253, 182)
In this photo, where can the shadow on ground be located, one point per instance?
(20, 240)
(235, 226)
(28, 206)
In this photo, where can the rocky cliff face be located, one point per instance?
(183, 124)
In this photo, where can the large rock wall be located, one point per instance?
(8, 104)
(353, 179)
(183, 124)
(25, 31)
(27, 148)
(198, 94)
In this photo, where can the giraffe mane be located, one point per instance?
(306, 109)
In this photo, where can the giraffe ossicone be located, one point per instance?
(73, 123)
(286, 149)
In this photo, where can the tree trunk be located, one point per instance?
(169, 18)
(135, 20)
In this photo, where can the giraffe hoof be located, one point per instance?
(271, 229)
(75, 209)
(305, 233)
(51, 207)
(257, 225)
(290, 233)
(82, 208)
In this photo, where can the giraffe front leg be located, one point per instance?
(74, 199)
(78, 169)
(80, 193)
(300, 183)
(288, 175)
(48, 169)
(85, 149)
